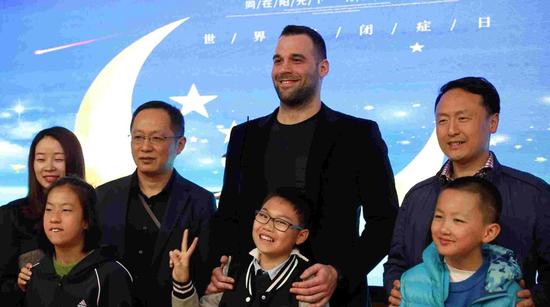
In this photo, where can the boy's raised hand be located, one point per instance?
(179, 259)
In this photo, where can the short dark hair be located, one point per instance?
(87, 197)
(316, 38)
(490, 203)
(297, 199)
(475, 85)
(176, 118)
(74, 165)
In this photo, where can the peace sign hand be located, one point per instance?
(179, 259)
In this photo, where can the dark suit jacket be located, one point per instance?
(189, 206)
(347, 169)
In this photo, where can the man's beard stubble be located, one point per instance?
(297, 97)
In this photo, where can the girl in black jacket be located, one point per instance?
(75, 271)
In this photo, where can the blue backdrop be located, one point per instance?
(87, 64)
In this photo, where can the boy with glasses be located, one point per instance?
(279, 227)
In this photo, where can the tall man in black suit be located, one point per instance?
(144, 214)
(340, 162)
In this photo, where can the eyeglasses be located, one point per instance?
(280, 224)
(153, 139)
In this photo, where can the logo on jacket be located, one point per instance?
(82, 304)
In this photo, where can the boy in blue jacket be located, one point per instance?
(459, 267)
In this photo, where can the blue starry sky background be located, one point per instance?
(375, 71)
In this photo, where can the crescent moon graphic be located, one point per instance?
(103, 120)
(423, 166)
(426, 163)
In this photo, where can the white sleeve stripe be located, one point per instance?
(186, 286)
(98, 287)
(184, 291)
(125, 269)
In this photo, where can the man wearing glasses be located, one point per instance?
(144, 214)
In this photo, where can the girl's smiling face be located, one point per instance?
(64, 222)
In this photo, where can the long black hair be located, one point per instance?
(74, 165)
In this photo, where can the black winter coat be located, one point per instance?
(97, 280)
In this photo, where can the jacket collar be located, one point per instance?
(447, 169)
(324, 136)
(88, 263)
(118, 208)
(325, 113)
(503, 267)
(177, 202)
(255, 253)
(491, 166)
(280, 279)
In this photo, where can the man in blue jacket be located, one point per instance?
(467, 113)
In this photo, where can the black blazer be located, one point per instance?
(189, 206)
(347, 169)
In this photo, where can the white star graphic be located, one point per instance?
(194, 101)
(227, 131)
(416, 47)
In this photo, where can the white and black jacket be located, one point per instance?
(97, 280)
(277, 293)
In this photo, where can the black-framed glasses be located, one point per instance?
(279, 224)
(139, 139)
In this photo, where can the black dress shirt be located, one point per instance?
(141, 232)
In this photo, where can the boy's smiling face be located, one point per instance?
(271, 242)
(458, 229)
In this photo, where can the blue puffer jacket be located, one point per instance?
(524, 222)
(427, 284)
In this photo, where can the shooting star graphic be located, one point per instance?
(44, 51)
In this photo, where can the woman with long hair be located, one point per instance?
(54, 153)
